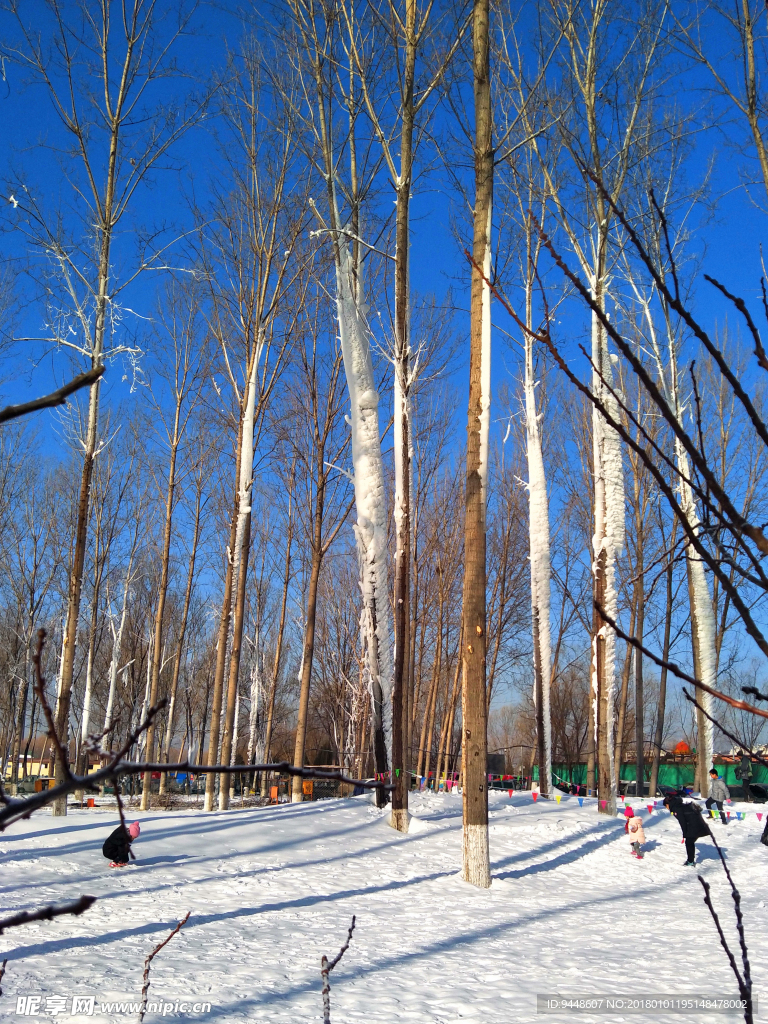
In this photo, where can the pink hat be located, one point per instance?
(628, 812)
(134, 829)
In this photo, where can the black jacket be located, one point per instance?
(689, 817)
(117, 846)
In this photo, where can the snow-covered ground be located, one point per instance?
(272, 889)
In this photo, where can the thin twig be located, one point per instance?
(148, 961)
(675, 669)
(734, 739)
(47, 913)
(58, 397)
(745, 982)
(325, 971)
(2, 972)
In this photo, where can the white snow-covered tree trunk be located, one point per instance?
(540, 565)
(703, 622)
(145, 702)
(702, 614)
(608, 543)
(370, 494)
(233, 753)
(87, 702)
(256, 696)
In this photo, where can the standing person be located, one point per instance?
(117, 845)
(691, 823)
(743, 771)
(718, 793)
(633, 826)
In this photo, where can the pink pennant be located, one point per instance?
(603, 804)
(759, 815)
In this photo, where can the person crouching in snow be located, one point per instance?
(633, 826)
(117, 845)
(691, 823)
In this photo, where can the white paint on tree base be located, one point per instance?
(400, 819)
(476, 857)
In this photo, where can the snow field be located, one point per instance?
(271, 890)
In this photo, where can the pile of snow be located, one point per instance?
(271, 890)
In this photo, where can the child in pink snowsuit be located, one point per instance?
(633, 826)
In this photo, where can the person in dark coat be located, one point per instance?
(117, 845)
(743, 772)
(691, 822)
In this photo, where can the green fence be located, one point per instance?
(675, 775)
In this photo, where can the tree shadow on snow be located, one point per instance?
(197, 920)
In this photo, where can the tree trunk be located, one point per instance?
(230, 739)
(639, 713)
(221, 660)
(180, 644)
(297, 793)
(476, 858)
(240, 556)
(660, 714)
(59, 806)
(280, 635)
(157, 655)
(619, 751)
(443, 753)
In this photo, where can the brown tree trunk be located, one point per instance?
(474, 720)
(221, 645)
(73, 601)
(180, 644)
(446, 732)
(157, 650)
(280, 635)
(619, 749)
(297, 794)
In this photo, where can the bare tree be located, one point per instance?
(112, 151)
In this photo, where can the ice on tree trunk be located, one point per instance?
(370, 495)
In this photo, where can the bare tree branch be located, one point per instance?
(59, 397)
(148, 961)
(46, 914)
(325, 971)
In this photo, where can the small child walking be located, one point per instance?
(633, 826)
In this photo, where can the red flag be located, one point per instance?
(535, 796)
(650, 808)
(510, 794)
